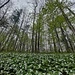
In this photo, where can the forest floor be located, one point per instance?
(12, 63)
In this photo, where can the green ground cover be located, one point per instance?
(36, 64)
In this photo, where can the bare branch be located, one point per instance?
(4, 4)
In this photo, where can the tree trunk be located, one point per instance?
(66, 19)
(64, 39)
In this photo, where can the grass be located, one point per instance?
(13, 63)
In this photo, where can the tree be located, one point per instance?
(34, 18)
(56, 19)
(15, 19)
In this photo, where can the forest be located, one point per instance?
(38, 40)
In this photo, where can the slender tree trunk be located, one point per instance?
(66, 19)
(70, 42)
(58, 40)
(4, 13)
(64, 39)
(71, 11)
(54, 43)
(49, 42)
(6, 39)
(36, 41)
(22, 42)
(33, 42)
(8, 35)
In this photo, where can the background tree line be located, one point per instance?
(50, 27)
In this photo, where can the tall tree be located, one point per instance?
(34, 18)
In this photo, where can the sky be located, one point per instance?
(28, 5)
(25, 3)
(20, 3)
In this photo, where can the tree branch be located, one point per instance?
(4, 4)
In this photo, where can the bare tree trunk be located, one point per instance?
(6, 10)
(54, 43)
(39, 40)
(49, 42)
(66, 19)
(36, 41)
(71, 11)
(8, 35)
(58, 40)
(33, 43)
(18, 34)
(64, 39)
(70, 42)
